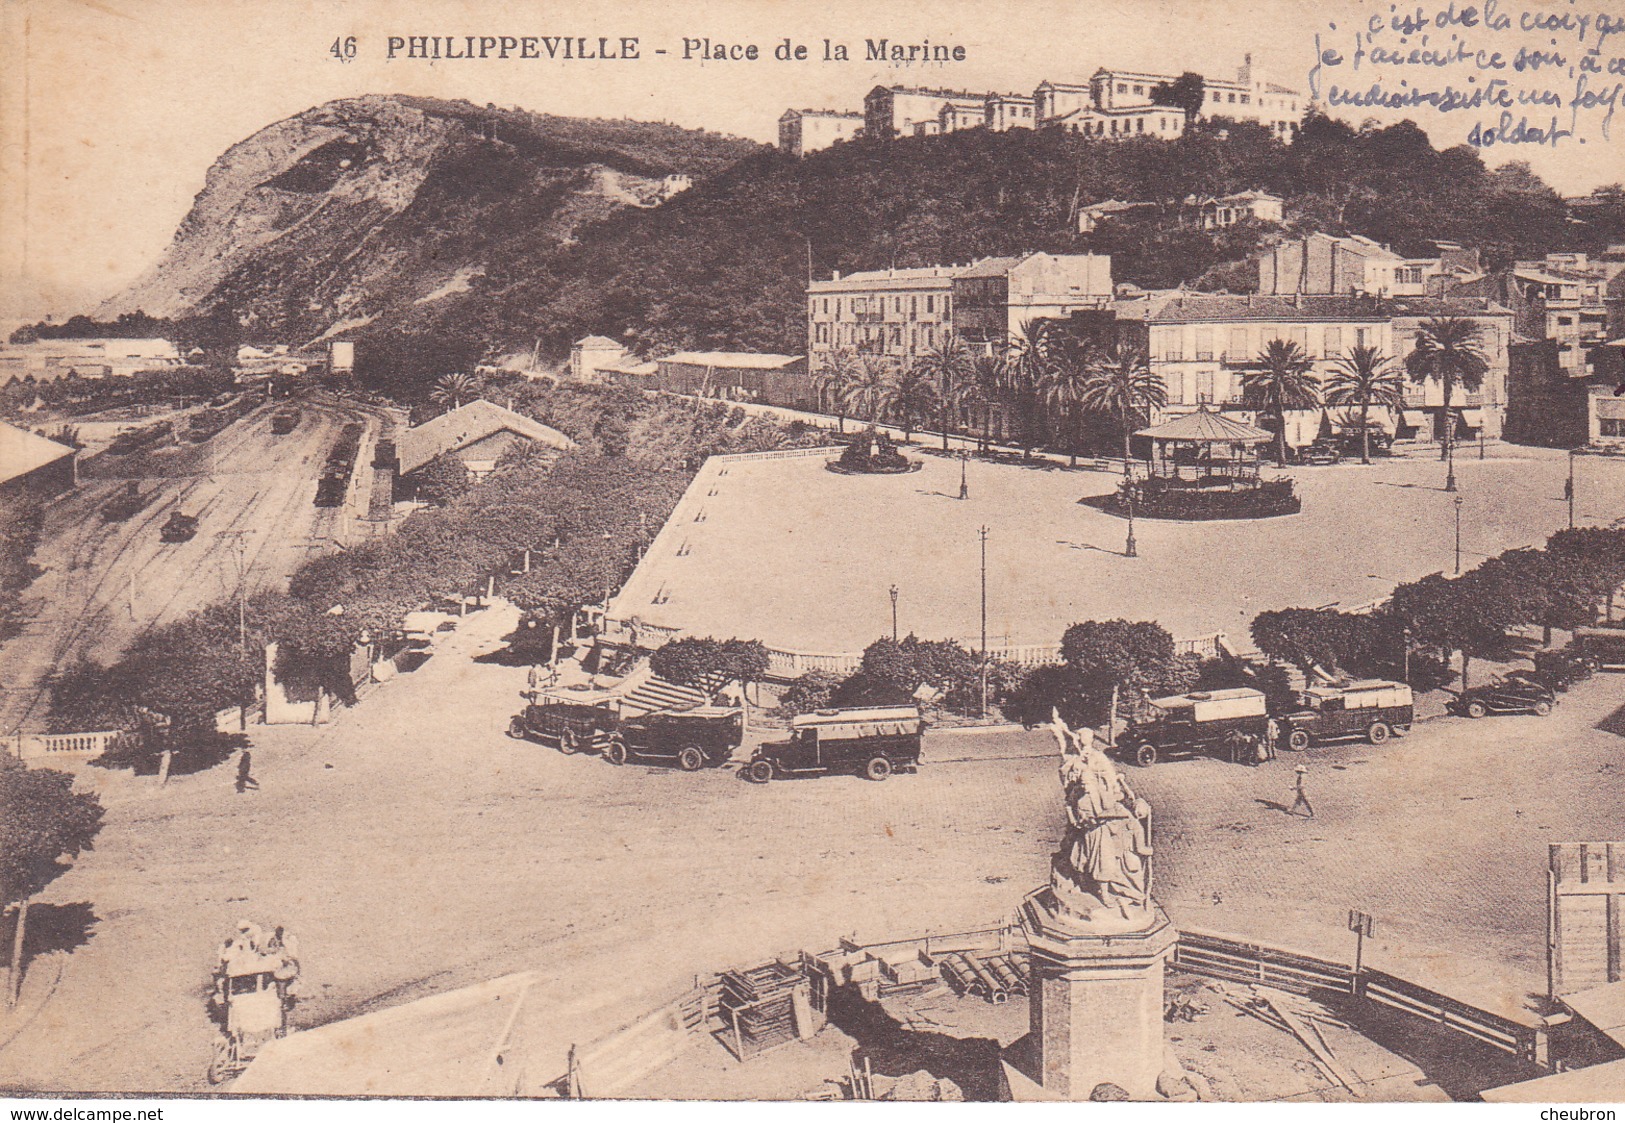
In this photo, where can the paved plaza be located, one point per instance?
(414, 848)
(802, 558)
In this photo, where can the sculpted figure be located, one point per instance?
(1107, 854)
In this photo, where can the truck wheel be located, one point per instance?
(569, 743)
(1298, 740)
(516, 729)
(1543, 708)
(1475, 708)
(759, 771)
(878, 768)
(1146, 755)
(1378, 733)
(616, 753)
(690, 759)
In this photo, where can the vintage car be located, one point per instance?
(1605, 646)
(1562, 668)
(876, 742)
(1371, 708)
(1231, 723)
(1321, 452)
(179, 528)
(1380, 443)
(572, 726)
(693, 738)
(1516, 693)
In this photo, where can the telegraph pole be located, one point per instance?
(982, 532)
(1458, 535)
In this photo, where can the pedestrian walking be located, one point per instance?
(1301, 798)
(245, 778)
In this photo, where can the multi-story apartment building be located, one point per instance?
(1563, 298)
(901, 314)
(1324, 264)
(1201, 345)
(807, 130)
(1009, 111)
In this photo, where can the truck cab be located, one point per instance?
(1232, 723)
(875, 741)
(1375, 709)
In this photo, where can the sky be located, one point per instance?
(111, 111)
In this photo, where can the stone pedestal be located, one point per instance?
(1096, 1000)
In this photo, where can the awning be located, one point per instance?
(1472, 418)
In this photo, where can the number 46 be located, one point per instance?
(343, 49)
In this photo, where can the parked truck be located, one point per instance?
(1230, 723)
(875, 742)
(1375, 709)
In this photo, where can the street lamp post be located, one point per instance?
(1129, 549)
(1450, 474)
(1457, 501)
(1568, 488)
(964, 486)
(1405, 655)
(893, 591)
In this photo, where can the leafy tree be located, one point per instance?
(1448, 350)
(1119, 384)
(1285, 380)
(42, 822)
(814, 690)
(704, 661)
(1365, 377)
(1187, 92)
(1125, 655)
(20, 524)
(893, 670)
(1453, 615)
(1595, 558)
(443, 479)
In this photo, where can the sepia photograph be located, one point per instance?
(1062, 551)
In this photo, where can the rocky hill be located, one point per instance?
(359, 211)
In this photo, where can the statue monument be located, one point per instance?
(1099, 941)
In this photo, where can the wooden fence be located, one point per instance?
(617, 1061)
(1244, 961)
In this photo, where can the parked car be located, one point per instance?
(1516, 693)
(572, 726)
(1321, 452)
(1565, 666)
(1381, 443)
(1234, 723)
(876, 742)
(179, 528)
(1371, 708)
(1606, 646)
(695, 738)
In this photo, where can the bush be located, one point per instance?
(814, 690)
(873, 451)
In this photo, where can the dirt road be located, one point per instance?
(107, 582)
(414, 848)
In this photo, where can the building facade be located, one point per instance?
(808, 130)
(1202, 345)
(902, 314)
(1217, 214)
(739, 376)
(1326, 265)
(893, 111)
(1122, 103)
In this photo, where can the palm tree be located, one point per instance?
(1448, 348)
(1119, 384)
(454, 388)
(1030, 354)
(982, 387)
(1285, 381)
(1062, 390)
(913, 396)
(948, 363)
(1365, 377)
(869, 392)
(834, 380)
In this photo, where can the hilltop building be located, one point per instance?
(807, 130)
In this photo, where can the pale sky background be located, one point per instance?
(111, 111)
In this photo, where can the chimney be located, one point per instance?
(835, 276)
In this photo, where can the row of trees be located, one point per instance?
(1046, 380)
(1428, 622)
